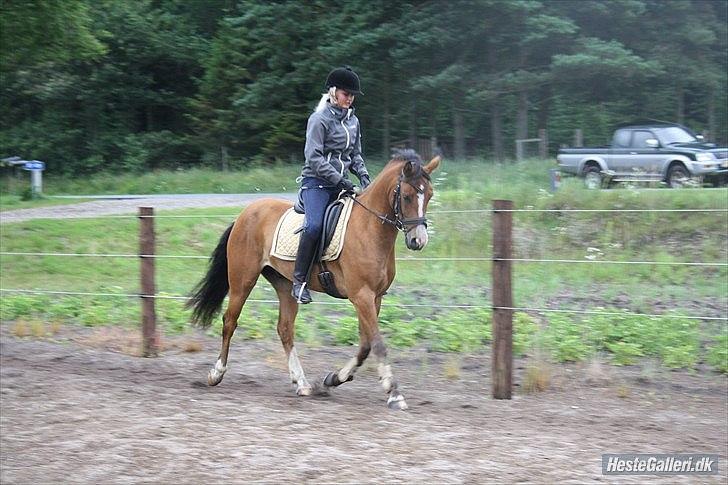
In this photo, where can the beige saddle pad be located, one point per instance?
(285, 242)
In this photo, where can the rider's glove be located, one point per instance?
(346, 185)
(364, 180)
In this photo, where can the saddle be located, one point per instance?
(336, 218)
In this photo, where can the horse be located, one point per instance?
(396, 201)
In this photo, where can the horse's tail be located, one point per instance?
(207, 297)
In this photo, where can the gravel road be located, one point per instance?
(119, 205)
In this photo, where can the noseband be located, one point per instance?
(400, 222)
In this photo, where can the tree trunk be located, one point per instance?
(459, 132)
(386, 107)
(413, 124)
(544, 105)
(712, 125)
(522, 116)
(496, 131)
(680, 114)
(385, 123)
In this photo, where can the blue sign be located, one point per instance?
(34, 165)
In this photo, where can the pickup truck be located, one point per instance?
(648, 152)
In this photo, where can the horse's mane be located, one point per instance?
(405, 155)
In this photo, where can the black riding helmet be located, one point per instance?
(344, 78)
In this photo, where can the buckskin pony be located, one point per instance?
(396, 201)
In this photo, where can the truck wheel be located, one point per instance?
(678, 177)
(593, 177)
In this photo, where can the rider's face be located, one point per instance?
(344, 98)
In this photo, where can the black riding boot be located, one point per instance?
(304, 259)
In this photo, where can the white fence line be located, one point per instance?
(462, 211)
(405, 259)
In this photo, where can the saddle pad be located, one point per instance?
(285, 242)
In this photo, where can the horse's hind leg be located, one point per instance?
(240, 288)
(287, 311)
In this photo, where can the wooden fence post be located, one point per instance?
(150, 337)
(578, 138)
(543, 145)
(502, 353)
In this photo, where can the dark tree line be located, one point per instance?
(165, 83)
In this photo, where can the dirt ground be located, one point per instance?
(75, 409)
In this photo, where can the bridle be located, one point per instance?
(399, 222)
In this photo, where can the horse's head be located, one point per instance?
(411, 196)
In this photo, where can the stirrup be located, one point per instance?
(302, 296)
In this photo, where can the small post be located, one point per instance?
(36, 183)
(578, 138)
(519, 150)
(150, 337)
(543, 144)
(502, 353)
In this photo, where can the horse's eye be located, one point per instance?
(408, 198)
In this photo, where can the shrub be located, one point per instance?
(718, 353)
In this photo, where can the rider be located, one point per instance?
(333, 147)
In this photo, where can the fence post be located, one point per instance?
(150, 338)
(502, 357)
(543, 145)
(578, 138)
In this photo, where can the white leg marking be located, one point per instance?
(385, 376)
(295, 369)
(347, 370)
(217, 372)
(396, 401)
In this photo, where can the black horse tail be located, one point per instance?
(207, 297)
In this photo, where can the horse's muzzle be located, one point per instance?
(416, 238)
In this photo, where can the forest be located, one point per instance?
(105, 85)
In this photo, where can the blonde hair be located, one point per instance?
(329, 96)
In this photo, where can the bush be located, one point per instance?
(718, 353)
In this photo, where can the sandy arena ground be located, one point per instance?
(74, 410)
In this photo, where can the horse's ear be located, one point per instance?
(432, 164)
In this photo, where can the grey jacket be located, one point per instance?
(333, 145)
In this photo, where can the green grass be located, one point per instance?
(642, 236)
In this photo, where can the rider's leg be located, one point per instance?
(315, 199)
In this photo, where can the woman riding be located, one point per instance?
(333, 147)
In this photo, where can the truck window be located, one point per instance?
(639, 137)
(621, 138)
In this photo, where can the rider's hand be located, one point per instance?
(364, 180)
(346, 185)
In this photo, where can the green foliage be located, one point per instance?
(565, 340)
(461, 330)
(346, 331)
(525, 331)
(718, 353)
(109, 85)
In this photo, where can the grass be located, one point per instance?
(438, 285)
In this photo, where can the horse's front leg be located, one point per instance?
(367, 307)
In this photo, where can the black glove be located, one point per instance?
(346, 185)
(364, 180)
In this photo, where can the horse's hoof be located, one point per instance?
(214, 377)
(304, 391)
(332, 379)
(397, 402)
(216, 374)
